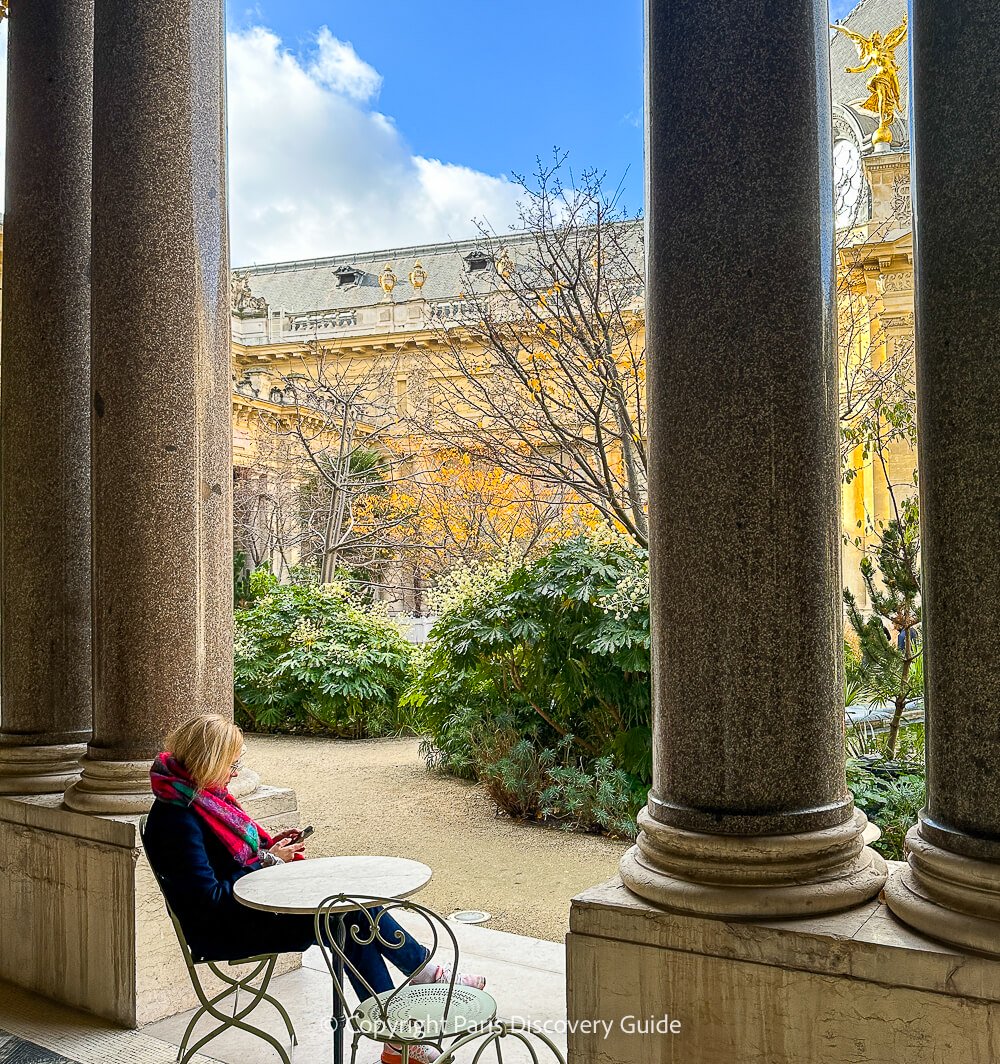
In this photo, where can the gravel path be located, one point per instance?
(377, 797)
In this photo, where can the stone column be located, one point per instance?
(749, 814)
(162, 440)
(950, 888)
(44, 414)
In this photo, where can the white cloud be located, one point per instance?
(314, 170)
(340, 68)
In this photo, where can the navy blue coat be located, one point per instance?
(197, 874)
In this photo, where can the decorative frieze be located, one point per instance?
(902, 322)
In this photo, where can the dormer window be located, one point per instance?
(347, 275)
(477, 260)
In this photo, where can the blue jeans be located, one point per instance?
(369, 959)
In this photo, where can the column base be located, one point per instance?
(111, 788)
(39, 769)
(952, 898)
(754, 877)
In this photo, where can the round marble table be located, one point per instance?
(300, 886)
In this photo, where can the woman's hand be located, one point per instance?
(288, 833)
(285, 850)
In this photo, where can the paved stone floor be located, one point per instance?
(527, 977)
(72, 1036)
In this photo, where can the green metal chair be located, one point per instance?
(425, 1014)
(511, 1033)
(263, 968)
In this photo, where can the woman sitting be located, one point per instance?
(200, 841)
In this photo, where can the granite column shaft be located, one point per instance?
(161, 391)
(44, 411)
(951, 886)
(749, 814)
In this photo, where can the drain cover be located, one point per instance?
(471, 916)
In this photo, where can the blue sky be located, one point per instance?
(487, 83)
(357, 126)
(360, 126)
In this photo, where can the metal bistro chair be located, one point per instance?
(514, 1033)
(425, 1014)
(209, 1006)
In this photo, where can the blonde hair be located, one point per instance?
(206, 747)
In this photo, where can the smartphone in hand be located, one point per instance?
(304, 833)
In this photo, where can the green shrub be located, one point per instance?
(513, 771)
(309, 659)
(595, 797)
(536, 682)
(891, 802)
(552, 785)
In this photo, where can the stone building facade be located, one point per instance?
(401, 317)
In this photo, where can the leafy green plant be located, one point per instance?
(550, 784)
(892, 803)
(241, 578)
(536, 682)
(910, 749)
(555, 637)
(863, 740)
(854, 676)
(596, 797)
(514, 772)
(308, 658)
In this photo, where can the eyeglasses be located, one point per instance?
(237, 766)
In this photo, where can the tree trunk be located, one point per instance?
(900, 704)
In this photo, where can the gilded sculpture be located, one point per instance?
(883, 86)
(418, 275)
(387, 279)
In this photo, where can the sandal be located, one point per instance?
(443, 975)
(419, 1054)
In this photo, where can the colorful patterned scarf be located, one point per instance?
(243, 838)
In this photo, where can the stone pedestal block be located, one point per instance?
(83, 920)
(655, 987)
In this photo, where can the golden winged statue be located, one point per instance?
(3, 9)
(883, 86)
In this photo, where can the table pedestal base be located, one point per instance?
(338, 1021)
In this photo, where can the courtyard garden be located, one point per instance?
(531, 698)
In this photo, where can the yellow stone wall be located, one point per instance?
(876, 266)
